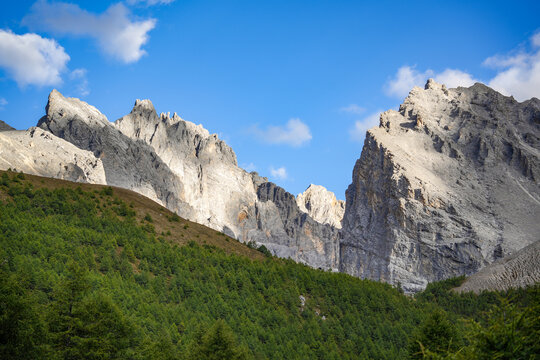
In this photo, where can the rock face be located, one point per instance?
(519, 269)
(39, 152)
(443, 187)
(5, 127)
(194, 173)
(321, 205)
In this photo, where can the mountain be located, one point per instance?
(181, 166)
(321, 205)
(36, 151)
(4, 126)
(443, 187)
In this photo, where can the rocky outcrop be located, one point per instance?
(194, 173)
(321, 205)
(129, 164)
(38, 152)
(5, 127)
(443, 187)
(520, 269)
(311, 242)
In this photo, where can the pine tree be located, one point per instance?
(219, 344)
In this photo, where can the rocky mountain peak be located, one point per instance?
(60, 110)
(444, 186)
(321, 205)
(143, 105)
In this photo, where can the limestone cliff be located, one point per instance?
(321, 205)
(38, 152)
(194, 173)
(444, 186)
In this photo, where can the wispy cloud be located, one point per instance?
(518, 74)
(116, 34)
(279, 173)
(353, 109)
(294, 133)
(358, 132)
(3, 102)
(32, 59)
(79, 75)
(150, 2)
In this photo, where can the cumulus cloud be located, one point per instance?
(32, 59)
(116, 34)
(518, 73)
(79, 75)
(279, 173)
(408, 77)
(358, 132)
(294, 133)
(353, 109)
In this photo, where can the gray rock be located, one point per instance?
(306, 240)
(321, 205)
(194, 173)
(519, 269)
(38, 152)
(5, 127)
(129, 164)
(443, 187)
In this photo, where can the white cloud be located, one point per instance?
(453, 78)
(294, 133)
(353, 109)
(279, 173)
(519, 73)
(408, 77)
(31, 59)
(150, 2)
(358, 132)
(80, 76)
(116, 34)
(3, 102)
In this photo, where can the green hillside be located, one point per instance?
(95, 272)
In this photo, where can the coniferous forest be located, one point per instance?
(88, 272)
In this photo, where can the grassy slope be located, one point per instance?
(181, 231)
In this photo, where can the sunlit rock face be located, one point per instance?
(194, 173)
(321, 205)
(443, 187)
(38, 152)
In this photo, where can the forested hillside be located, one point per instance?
(100, 273)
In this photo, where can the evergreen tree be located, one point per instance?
(219, 344)
(436, 336)
(22, 331)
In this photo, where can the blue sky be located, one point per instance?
(290, 85)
